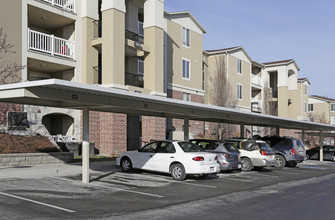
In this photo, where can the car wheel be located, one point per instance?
(126, 165)
(333, 158)
(292, 164)
(246, 164)
(280, 161)
(178, 172)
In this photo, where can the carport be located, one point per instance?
(66, 94)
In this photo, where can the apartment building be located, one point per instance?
(132, 45)
(237, 66)
(321, 109)
(282, 79)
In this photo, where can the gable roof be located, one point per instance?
(227, 50)
(185, 13)
(305, 79)
(282, 62)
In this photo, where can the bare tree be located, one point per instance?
(8, 74)
(220, 94)
(269, 107)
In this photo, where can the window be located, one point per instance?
(186, 96)
(332, 107)
(140, 66)
(332, 120)
(186, 69)
(310, 107)
(239, 66)
(305, 107)
(239, 91)
(305, 89)
(186, 37)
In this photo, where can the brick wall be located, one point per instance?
(196, 127)
(153, 128)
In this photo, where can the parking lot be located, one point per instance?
(113, 193)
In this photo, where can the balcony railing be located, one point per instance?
(65, 4)
(140, 29)
(256, 80)
(256, 105)
(50, 44)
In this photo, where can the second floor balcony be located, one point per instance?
(68, 5)
(256, 80)
(50, 44)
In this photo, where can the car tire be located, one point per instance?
(333, 158)
(126, 165)
(246, 164)
(280, 161)
(178, 172)
(292, 164)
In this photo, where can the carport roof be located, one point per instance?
(66, 94)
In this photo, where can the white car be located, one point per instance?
(178, 158)
(254, 153)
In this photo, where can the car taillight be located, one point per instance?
(264, 152)
(226, 155)
(293, 152)
(198, 158)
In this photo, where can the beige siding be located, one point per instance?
(11, 22)
(177, 52)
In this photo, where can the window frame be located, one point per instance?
(186, 76)
(239, 66)
(239, 92)
(186, 37)
(310, 107)
(186, 97)
(332, 107)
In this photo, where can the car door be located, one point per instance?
(163, 157)
(142, 159)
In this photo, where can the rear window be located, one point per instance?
(230, 147)
(264, 146)
(189, 147)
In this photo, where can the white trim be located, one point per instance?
(182, 69)
(189, 37)
(116, 86)
(241, 92)
(180, 88)
(158, 94)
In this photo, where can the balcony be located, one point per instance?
(256, 105)
(50, 44)
(137, 37)
(68, 5)
(256, 80)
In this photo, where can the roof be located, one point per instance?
(281, 62)
(227, 50)
(189, 14)
(323, 98)
(67, 94)
(302, 80)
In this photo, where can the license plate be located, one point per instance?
(239, 166)
(212, 168)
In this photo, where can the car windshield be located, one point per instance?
(189, 147)
(230, 147)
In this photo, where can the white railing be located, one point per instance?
(50, 44)
(63, 139)
(256, 80)
(256, 105)
(65, 4)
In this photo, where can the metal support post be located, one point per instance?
(186, 129)
(85, 147)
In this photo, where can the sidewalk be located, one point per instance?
(52, 170)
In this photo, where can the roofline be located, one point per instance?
(281, 62)
(321, 98)
(304, 80)
(228, 50)
(190, 15)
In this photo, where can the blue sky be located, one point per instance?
(271, 30)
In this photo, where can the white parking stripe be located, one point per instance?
(109, 187)
(126, 190)
(36, 202)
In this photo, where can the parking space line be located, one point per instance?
(195, 184)
(286, 172)
(126, 190)
(109, 187)
(36, 202)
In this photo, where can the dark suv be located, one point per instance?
(289, 151)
